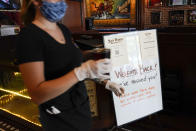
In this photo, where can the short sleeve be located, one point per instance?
(29, 47)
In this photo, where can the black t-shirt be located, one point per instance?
(34, 44)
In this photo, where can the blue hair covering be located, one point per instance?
(53, 12)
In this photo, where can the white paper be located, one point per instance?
(148, 44)
(9, 30)
(139, 75)
(118, 49)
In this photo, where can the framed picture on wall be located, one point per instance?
(10, 4)
(177, 2)
(191, 15)
(154, 3)
(111, 12)
(155, 17)
(176, 17)
(193, 2)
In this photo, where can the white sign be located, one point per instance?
(135, 66)
(6, 30)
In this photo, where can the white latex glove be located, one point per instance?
(116, 88)
(94, 69)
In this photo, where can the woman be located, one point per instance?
(51, 67)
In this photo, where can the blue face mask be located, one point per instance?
(53, 12)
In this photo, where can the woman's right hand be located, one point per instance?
(92, 69)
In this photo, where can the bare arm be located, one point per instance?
(41, 90)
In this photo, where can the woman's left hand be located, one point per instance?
(114, 87)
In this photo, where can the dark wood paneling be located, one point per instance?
(177, 53)
(73, 16)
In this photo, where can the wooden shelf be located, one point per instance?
(10, 10)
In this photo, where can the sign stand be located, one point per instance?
(156, 117)
(116, 128)
(158, 121)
